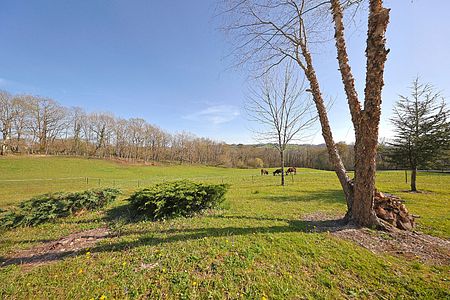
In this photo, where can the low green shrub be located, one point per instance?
(48, 207)
(178, 198)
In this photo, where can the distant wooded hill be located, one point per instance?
(36, 125)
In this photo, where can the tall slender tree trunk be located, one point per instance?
(17, 148)
(282, 167)
(413, 179)
(4, 148)
(333, 152)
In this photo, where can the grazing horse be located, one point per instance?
(264, 172)
(291, 170)
(277, 171)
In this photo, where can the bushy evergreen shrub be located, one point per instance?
(48, 207)
(179, 198)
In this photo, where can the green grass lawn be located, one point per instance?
(254, 247)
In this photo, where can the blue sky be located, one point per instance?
(165, 61)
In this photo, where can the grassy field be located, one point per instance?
(254, 247)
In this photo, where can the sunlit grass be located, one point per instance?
(255, 246)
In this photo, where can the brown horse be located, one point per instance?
(291, 170)
(264, 172)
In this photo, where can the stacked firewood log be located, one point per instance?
(392, 210)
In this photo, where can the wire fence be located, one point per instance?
(13, 190)
(92, 182)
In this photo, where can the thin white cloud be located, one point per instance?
(216, 114)
(3, 82)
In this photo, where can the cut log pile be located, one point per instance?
(392, 210)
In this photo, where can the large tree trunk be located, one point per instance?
(365, 121)
(367, 128)
(413, 179)
(362, 212)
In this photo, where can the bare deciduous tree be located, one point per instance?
(268, 32)
(48, 120)
(76, 119)
(6, 119)
(100, 127)
(279, 105)
(21, 122)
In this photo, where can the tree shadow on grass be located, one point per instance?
(190, 234)
(35, 260)
(152, 238)
(54, 250)
(124, 214)
(256, 218)
(24, 241)
(328, 196)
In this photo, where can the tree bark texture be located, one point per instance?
(365, 121)
(333, 152)
(413, 180)
(5, 137)
(367, 128)
(282, 167)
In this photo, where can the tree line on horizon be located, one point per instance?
(38, 125)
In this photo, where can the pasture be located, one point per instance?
(257, 246)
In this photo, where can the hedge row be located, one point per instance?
(49, 207)
(179, 198)
(161, 201)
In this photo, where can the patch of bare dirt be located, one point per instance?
(411, 245)
(408, 244)
(56, 250)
